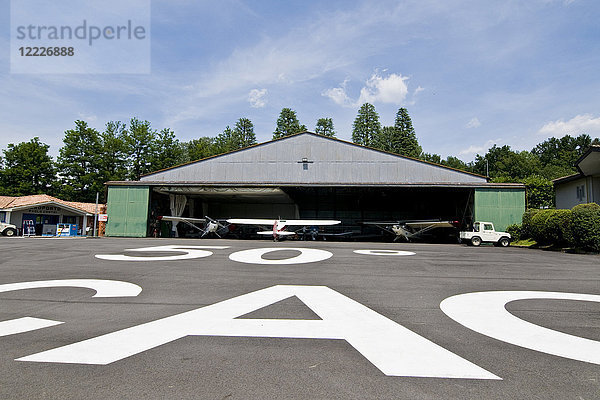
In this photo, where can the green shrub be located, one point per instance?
(552, 227)
(526, 225)
(515, 231)
(585, 227)
(558, 227)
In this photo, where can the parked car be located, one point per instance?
(485, 232)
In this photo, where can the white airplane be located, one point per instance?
(414, 229)
(210, 225)
(280, 225)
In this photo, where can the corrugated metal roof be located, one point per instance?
(11, 202)
(310, 159)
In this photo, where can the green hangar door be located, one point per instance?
(502, 207)
(127, 209)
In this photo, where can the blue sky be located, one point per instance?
(471, 73)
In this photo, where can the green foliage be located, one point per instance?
(366, 126)
(28, 169)
(140, 144)
(558, 156)
(113, 163)
(244, 133)
(324, 127)
(526, 226)
(540, 192)
(515, 232)
(552, 227)
(434, 158)
(168, 151)
(287, 124)
(408, 145)
(586, 227)
(79, 164)
(198, 149)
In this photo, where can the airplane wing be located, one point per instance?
(183, 219)
(252, 221)
(189, 221)
(288, 222)
(432, 224)
(309, 222)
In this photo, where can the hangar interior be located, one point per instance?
(310, 176)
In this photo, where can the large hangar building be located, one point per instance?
(311, 176)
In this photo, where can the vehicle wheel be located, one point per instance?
(475, 240)
(10, 232)
(503, 242)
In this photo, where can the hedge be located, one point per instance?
(578, 228)
(585, 224)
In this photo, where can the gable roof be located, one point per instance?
(308, 158)
(12, 202)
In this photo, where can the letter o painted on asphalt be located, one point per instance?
(255, 256)
(385, 252)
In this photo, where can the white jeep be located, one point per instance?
(485, 232)
(8, 229)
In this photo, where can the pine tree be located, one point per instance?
(287, 124)
(324, 127)
(408, 145)
(244, 133)
(366, 126)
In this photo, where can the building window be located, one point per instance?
(2, 216)
(69, 219)
(581, 192)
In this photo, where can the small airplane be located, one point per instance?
(280, 225)
(414, 229)
(210, 225)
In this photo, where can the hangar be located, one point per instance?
(310, 176)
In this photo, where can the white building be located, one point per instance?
(583, 187)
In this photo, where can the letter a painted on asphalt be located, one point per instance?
(394, 349)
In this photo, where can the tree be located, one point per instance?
(540, 192)
(28, 169)
(168, 151)
(287, 124)
(366, 126)
(407, 142)
(324, 127)
(198, 149)
(113, 163)
(78, 164)
(244, 133)
(387, 140)
(140, 144)
(558, 156)
(226, 141)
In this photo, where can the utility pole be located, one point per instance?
(96, 214)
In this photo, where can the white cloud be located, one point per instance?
(256, 98)
(584, 123)
(378, 89)
(474, 123)
(392, 89)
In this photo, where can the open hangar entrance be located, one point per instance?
(351, 205)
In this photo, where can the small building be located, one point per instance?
(583, 187)
(310, 176)
(47, 212)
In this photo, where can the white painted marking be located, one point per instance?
(385, 252)
(392, 348)
(189, 252)
(103, 288)
(485, 312)
(25, 324)
(254, 256)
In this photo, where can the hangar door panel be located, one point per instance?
(502, 207)
(127, 209)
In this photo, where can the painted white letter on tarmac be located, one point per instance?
(392, 348)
